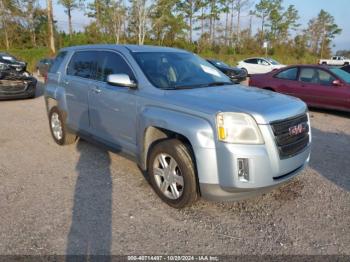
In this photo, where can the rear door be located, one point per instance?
(113, 108)
(286, 82)
(77, 82)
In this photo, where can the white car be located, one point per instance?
(258, 65)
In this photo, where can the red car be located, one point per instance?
(318, 86)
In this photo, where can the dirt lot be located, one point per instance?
(83, 199)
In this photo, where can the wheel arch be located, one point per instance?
(157, 124)
(270, 89)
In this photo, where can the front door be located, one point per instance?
(113, 108)
(319, 88)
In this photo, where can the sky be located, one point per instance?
(308, 9)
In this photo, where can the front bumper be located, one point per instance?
(266, 169)
(24, 90)
(215, 192)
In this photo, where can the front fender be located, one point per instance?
(197, 130)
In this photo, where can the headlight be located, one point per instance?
(238, 128)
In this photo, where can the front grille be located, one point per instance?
(7, 86)
(291, 135)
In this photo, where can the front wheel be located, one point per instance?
(172, 173)
(245, 71)
(58, 128)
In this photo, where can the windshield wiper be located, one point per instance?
(219, 83)
(201, 85)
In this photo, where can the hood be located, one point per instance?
(264, 106)
(278, 66)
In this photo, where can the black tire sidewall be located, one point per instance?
(178, 151)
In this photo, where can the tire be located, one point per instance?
(180, 178)
(324, 63)
(346, 63)
(60, 133)
(245, 70)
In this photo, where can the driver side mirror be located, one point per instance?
(121, 80)
(337, 83)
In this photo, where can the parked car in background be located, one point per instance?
(16, 84)
(43, 66)
(335, 61)
(8, 62)
(258, 65)
(236, 74)
(180, 118)
(346, 68)
(318, 86)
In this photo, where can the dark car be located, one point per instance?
(42, 67)
(236, 75)
(14, 84)
(8, 61)
(346, 68)
(318, 86)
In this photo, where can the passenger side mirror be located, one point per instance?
(121, 80)
(337, 83)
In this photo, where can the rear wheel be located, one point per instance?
(172, 173)
(58, 128)
(324, 63)
(346, 64)
(245, 71)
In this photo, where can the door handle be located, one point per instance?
(96, 90)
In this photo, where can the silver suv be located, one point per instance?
(180, 118)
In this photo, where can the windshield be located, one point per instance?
(272, 61)
(219, 63)
(171, 70)
(345, 76)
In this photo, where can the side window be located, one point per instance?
(307, 75)
(83, 64)
(289, 74)
(263, 62)
(251, 61)
(316, 76)
(112, 63)
(325, 78)
(57, 62)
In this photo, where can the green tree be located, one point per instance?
(321, 31)
(167, 24)
(9, 11)
(189, 8)
(69, 5)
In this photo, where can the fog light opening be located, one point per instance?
(243, 169)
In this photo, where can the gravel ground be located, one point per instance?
(83, 199)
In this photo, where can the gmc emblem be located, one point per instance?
(296, 130)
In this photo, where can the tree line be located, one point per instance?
(196, 25)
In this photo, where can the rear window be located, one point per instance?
(289, 74)
(56, 63)
(251, 61)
